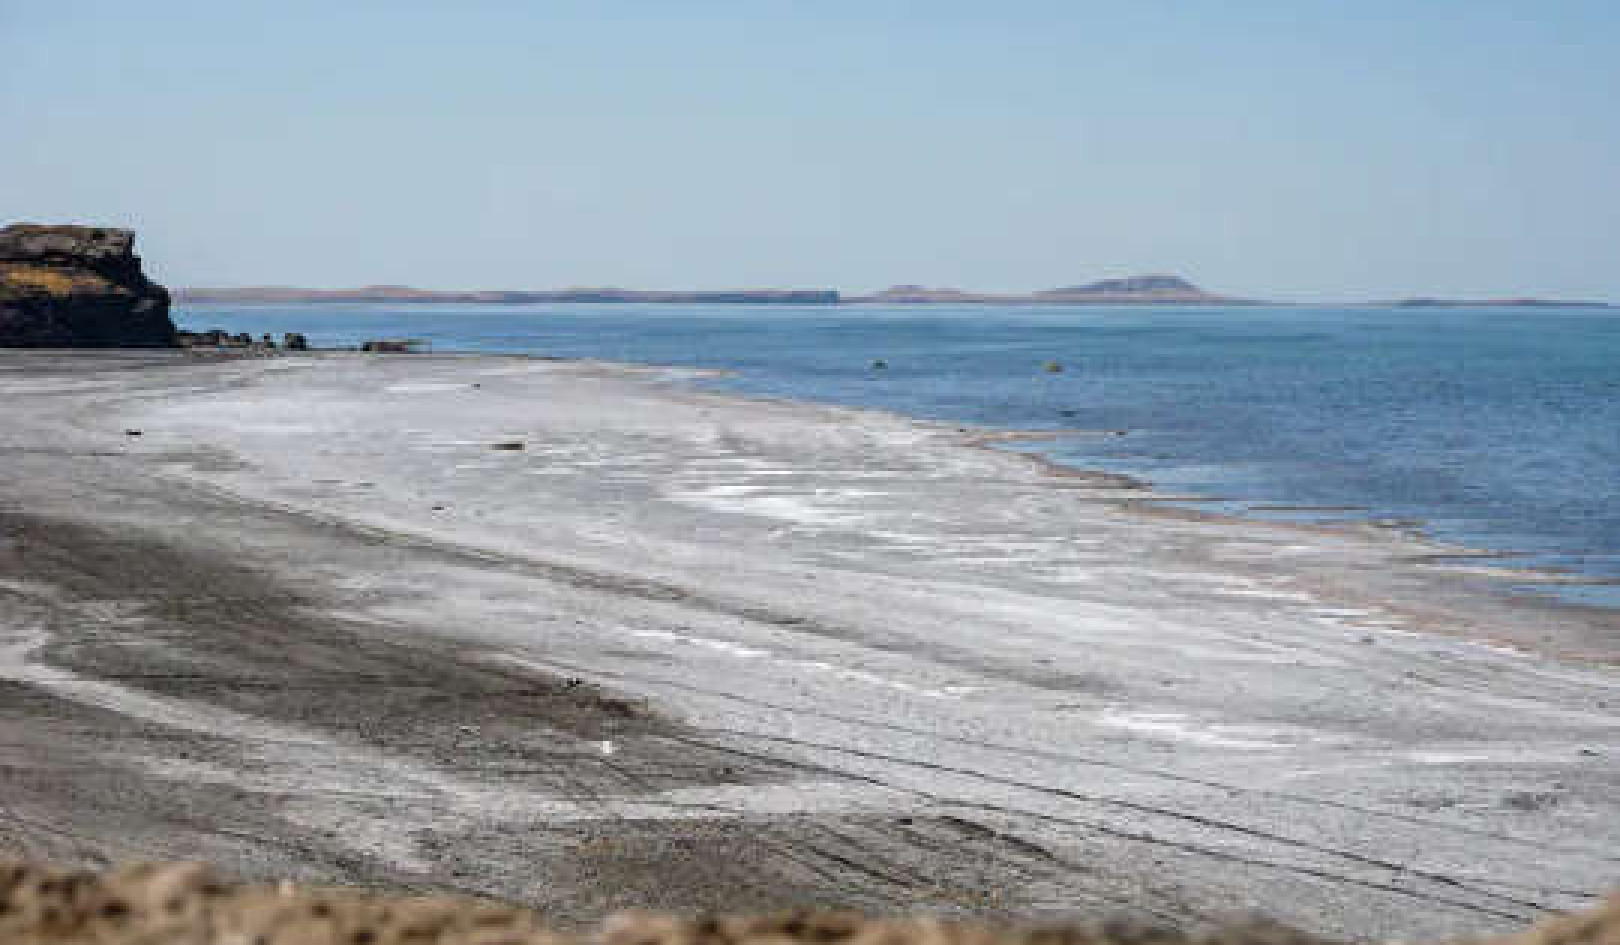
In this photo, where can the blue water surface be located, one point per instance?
(1495, 427)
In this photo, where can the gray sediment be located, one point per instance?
(689, 651)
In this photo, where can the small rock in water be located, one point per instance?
(132, 433)
(879, 365)
(509, 445)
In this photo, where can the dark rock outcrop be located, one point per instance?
(78, 287)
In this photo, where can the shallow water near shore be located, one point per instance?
(1493, 428)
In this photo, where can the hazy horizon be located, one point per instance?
(1278, 150)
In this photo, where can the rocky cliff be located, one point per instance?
(78, 287)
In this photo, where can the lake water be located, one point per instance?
(1498, 428)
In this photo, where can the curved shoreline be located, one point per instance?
(1417, 549)
(1146, 501)
(1143, 500)
(1542, 577)
(999, 439)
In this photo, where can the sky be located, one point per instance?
(1288, 149)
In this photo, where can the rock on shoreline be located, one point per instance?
(78, 287)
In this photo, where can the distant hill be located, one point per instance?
(1157, 289)
(1150, 288)
(1501, 303)
(399, 293)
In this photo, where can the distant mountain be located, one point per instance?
(399, 293)
(273, 293)
(1150, 288)
(1157, 289)
(1136, 284)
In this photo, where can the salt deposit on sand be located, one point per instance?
(310, 623)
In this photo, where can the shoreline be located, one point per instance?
(689, 650)
(1450, 558)
(1506, 583)
(1566, 573)
(1143, 499)
(1542, 581)
(1537, 583)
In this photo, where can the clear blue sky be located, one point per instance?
(1285, 148)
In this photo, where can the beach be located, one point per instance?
(580, 635)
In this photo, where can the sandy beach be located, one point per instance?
(583, 636)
